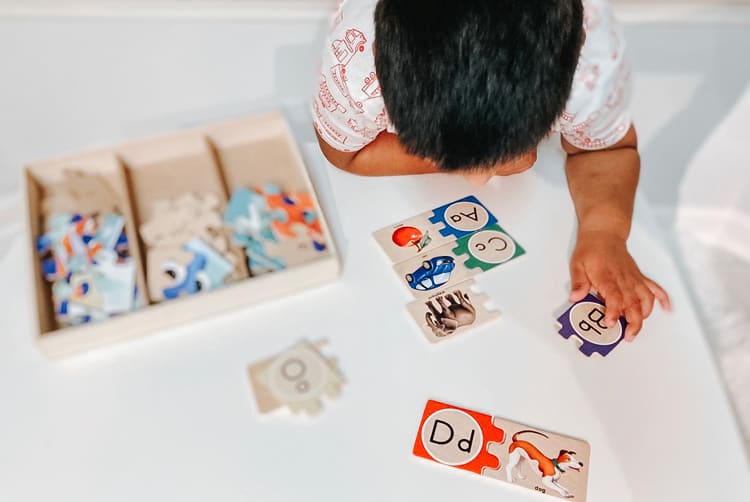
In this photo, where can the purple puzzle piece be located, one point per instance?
(584, 321)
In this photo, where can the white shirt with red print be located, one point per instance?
(348, 110)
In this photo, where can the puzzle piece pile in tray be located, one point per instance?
(277, 229)
(85, 251)
(437, 253)
(187, 248)
(297, 378)
(497, 448)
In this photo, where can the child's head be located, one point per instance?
(473, 84)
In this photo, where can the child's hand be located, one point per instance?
(601, 261)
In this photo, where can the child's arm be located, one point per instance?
(602, 184)
(384, 156)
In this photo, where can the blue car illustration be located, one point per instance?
(432, 274)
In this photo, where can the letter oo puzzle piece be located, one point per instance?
(584, 321)
(297, 378)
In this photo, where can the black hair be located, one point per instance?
(471, 83)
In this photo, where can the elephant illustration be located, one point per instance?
(448, 312)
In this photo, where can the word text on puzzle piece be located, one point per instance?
(446, 266)
(500, 449)
(451, 311)
(433, 229)
(585, 321)
(297, 378)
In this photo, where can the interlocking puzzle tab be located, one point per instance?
(450, 264)
(497, 448)
(451, 311)
(584, 321)
(297, 378)
(433, 229)
(277, 229)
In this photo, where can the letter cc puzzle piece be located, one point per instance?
(583, 320)
(434, 228)
(450, 264)
(450, 311)
(500, 449)
(297, 378)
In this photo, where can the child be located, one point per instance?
(471, 88)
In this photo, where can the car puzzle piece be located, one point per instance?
(297, 378)
(451, 311)
(446, 266)
(583, 320)
(501, 449)
(434, 229)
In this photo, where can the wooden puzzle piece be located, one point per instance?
(451, 311)
(542, 461)
(501, 449)
(446, 266)
(457, 437)
(433, 229)
(81, 193)
(297, 378)
(583, 320)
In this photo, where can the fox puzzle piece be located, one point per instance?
(583, 320)
(451, 311)
(433, 229)
(297, 378)
(450, 264)
(500, 449)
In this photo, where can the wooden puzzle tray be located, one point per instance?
(213, 162)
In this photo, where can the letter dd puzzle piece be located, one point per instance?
(446, 266)
(584, 321)
(457, 437)
(500, 449)
(433, 229)
(297, 378)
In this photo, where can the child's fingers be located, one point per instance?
(661, 296)
(647, 299)
(580, 284)
(635, 322)
(614, 302)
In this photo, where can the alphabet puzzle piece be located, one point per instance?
(501, 449)
(297, 378)
(446, 266)
(583, 320)
(433, 229)
(451, 311)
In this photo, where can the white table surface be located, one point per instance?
(171, 417)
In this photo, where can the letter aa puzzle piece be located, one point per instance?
(451, 311)
(500, 449)
(297, 378)
(434, 228)
(446, 266)
(584, 321)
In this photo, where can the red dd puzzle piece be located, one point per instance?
(457, 437)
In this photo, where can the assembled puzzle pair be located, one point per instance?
(500, 449)
(85, 251)
(437, 254)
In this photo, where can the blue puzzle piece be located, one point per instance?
(462, 217)
(584, 321)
